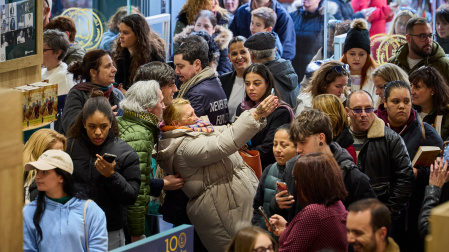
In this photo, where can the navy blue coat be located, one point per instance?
(309, 34)
(284, 26)
(208, 98)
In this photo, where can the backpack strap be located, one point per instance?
(85, 226)
(423, 131)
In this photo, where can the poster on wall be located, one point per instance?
(17, 30)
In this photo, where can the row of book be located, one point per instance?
(39, 103)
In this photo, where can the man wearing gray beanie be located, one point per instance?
(262, 48)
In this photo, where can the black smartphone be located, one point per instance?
(266, 218)
(109, 157)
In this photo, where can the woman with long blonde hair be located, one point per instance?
(39, 142)
(332, 106)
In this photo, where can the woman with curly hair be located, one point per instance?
(135, 36)
(187, 14)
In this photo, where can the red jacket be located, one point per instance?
(378, 18)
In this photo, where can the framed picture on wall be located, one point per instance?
(17, 29)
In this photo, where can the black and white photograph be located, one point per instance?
(12, 9)
(29, 20)
(29, 34)
(4, 11)
(12, 23)
(11, 37)
(4, 41)
(20, 36)
(5, 26)
(21, 21)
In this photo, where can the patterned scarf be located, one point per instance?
(199, 126)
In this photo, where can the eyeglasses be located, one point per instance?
(360, 110)
(344, 69)
(262, 249)
(424, 36)
(47, 50)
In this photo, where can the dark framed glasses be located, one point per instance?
(424, 36)
(339, 69)
(360, 110)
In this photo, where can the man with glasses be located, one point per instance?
(381, 153)
(420, 49)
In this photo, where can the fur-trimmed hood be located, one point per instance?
(222, 35)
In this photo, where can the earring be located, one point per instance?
(321, 143)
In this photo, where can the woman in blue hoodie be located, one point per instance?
(58, 220)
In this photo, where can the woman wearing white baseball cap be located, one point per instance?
(58, 220)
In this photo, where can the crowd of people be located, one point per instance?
(140, 131)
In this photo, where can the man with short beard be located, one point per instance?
(367, 225)
(420, 49)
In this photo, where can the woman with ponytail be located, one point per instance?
(95, 72)
(112, 183)
(58, 220)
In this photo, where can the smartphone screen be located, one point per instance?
(446, 151)
(282, 186)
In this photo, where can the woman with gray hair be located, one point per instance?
(55, 47)
(143, 105)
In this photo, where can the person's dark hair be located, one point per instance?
(266, 74)
(356, 92)
(415, 21)
(96, 102)
(214, 51)
(64, 24)
(311, 122)
(235, 40)
(324, 76)
(91, 60)
(149, 46)
(431, 78)
(285, 127)
(158, 71)
(57, 41)
(207, 14)
(380, 214)
(442, 13)
(115, 19)
(194, 48)
(318, 180)
(67, 187)
(394, 85)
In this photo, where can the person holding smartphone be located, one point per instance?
(112, 185)
(283, 149)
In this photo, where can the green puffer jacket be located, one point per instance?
(437, 60)
(141, 132)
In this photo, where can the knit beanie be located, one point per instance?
(357, 36)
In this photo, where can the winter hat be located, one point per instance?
(357, 36)
(52, 159)
(261, 41)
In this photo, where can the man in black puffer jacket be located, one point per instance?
(312, 132)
